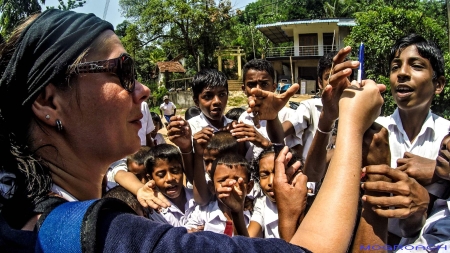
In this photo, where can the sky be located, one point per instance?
(113, 14)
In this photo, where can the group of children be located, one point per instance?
(218, 173)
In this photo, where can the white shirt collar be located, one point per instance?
(395, 120)
(63, 193)
(204, 122)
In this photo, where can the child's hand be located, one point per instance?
(290, 197)
(265, 105)
(338, 82)
(409, 197)
(179, 132)
(198, 229)
(417, 167)
(229, 126)
(243, 132)
(232, 194)
(201, 139)
(149, 196)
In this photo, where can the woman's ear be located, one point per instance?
(440, 83)
(44, 107)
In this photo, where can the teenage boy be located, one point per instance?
(416, 75)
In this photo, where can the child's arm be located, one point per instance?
(233, 196)
(147, 196)
(179, 132)
(202, 195)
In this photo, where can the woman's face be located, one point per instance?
(101, 119)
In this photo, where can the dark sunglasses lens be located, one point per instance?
(128, 73)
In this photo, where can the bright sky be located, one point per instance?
(113, 14)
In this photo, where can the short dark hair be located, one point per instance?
(156, 118)
(140, 156)
(192, 112)
(259, 65)
(231, 160)
(271, 150)
(224, 142)
(325, 62)
(164, 151)
(427, 49)
(208, 78)
(234, 113)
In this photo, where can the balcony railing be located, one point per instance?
(318, 50)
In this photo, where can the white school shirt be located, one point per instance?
(174, 215)
(167, 109)
(159, 139)
(435, 232)
(147, 124)
(112, 171)
(426, 144)
(265, 213)
(211, 217)
(198, 122)
(309, 113)
(284, 114)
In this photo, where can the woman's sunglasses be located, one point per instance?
(123, 67)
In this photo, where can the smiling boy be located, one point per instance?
(416, 75)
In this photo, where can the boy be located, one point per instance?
(259, 73)
(136, 163)
(417, 73)
(234, 171)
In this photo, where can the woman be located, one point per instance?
(70, 106)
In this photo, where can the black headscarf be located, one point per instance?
(45, 50)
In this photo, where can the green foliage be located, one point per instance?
(71, 4)
(14, 11)
(158, 93)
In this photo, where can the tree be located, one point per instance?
(71, 4)
(192, 28)
(13, 11)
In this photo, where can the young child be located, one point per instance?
(210, 94)
(225, 215)
(191, 112)
(164, 165)
(136, 163)
(264, 221)
(234, 113)
(157, 138)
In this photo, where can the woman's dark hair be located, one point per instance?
(164, 151)
(192, 112)
(231, 160)
(208, 78)
(234, 113)
(427, 49)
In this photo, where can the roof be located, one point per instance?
(170, 66)
(277, 35)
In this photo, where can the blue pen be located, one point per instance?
(361, 63)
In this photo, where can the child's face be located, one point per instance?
(168, 177)
(209, 156)
(411, 78)
(212, 102)
(157, 127)
(135, 168)
(258, 79)
(223, 172)
(324, 78)
(266, 173)
(442, 161)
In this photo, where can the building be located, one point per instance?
(309, 40)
